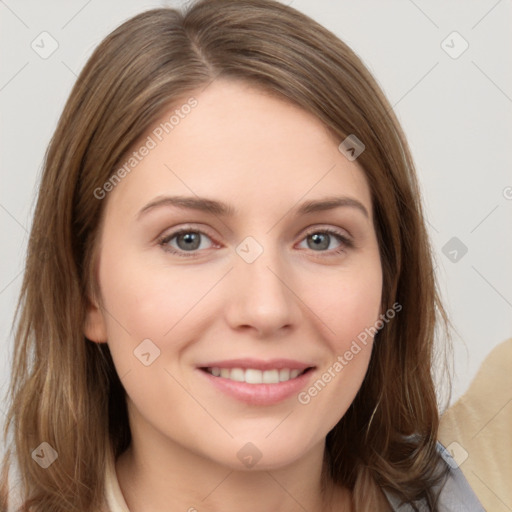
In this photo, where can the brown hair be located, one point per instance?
(65, 389)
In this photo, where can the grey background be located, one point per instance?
(456, 113)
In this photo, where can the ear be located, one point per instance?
(95, 328)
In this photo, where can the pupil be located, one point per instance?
(320, 240)
(191, 240)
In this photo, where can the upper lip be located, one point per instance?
(258, 364)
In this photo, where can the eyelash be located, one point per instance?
(346, 243)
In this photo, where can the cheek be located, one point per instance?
(147, 327)
(349, 306)
(145, 301)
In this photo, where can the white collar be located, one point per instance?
(113, 494)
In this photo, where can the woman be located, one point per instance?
(239, 297)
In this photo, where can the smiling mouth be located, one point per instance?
(255, 376)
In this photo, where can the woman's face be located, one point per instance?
(209, 328)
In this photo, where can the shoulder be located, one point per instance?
(455, 494)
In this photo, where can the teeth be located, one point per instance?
(270, 376)
(284, 374)
(237, 374)
(254, 376)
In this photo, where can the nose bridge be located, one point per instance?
(260, 263)
(262, 297)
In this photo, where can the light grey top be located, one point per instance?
(456, 494)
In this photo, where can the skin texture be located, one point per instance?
(264, 157)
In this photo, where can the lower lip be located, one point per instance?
(259, 394)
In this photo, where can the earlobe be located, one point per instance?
(94, 325)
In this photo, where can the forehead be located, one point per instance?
(243, 146)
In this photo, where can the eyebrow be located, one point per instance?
(224, 210)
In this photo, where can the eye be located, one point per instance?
(187, 240)
(321, 239)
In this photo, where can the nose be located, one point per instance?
(261, 296)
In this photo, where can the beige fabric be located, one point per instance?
(477, 430)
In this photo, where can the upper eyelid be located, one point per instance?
(185, 229)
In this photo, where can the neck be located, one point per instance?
(156, 474)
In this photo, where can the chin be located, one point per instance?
(265, 452)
